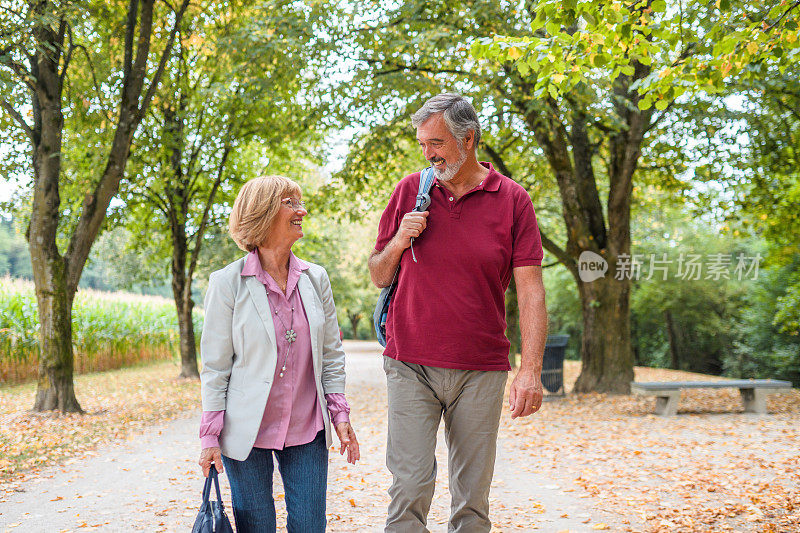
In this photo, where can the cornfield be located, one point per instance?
(109, 330)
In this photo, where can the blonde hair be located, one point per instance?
(255, 208)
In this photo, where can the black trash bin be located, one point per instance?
(553, 364)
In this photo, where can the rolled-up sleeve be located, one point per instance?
(216, 345)
(333, 374)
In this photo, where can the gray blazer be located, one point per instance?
(239, 354)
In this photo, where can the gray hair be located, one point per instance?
(459, 115)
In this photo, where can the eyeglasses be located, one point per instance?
(291, 203)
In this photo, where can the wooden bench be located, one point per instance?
(754, 392)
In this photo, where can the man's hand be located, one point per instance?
(208, 456)
(412, 225)
(383, 265)
(349, 442)
(525, 397)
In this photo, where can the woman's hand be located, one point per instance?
(213, 455)
(348, 439)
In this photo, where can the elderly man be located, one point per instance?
(446, 353)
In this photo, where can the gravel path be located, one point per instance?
(152, 482)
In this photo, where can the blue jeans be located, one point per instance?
(304, 470)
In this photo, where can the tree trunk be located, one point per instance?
(50, 270)
(672, 335)
(606, 352)
(177, 192)
(512, 323)
(187, 341)
(182, 293)
(55, 388)
(55, 276)
(355, 318)
(606, 349)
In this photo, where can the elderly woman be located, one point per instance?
(273, 366)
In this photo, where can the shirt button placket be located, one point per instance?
(455, 207)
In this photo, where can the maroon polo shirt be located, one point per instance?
(449, 308)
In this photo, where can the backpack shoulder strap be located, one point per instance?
(423, 198)
(425, 184)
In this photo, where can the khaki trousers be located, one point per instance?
(470, 402)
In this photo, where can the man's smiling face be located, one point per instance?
(444, 151)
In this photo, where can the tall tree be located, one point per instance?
(46, 48)
(583, 136)
(639, 56)
(239, 97)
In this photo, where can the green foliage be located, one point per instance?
(14, 258)
(788, 315)
(763, 348)
(238, 101)
(409, 52)
(681, 47)
(727, 326)
(768, 191)
(375, 163)
(401, 55)
(563, 307)
(718, 326)
(20, 325)
(91, 97)
(687, 323)
(114, 265)
(342, 248)
(690, 320)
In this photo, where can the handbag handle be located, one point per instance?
(212, 478)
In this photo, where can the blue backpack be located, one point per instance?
(381, 312)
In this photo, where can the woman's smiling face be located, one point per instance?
(288, 222)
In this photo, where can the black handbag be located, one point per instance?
(211, 518)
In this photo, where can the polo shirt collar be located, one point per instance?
(490, 184)
(492, 181)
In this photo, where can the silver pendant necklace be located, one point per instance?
(290, 335)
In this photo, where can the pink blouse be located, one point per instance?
(292, 415)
